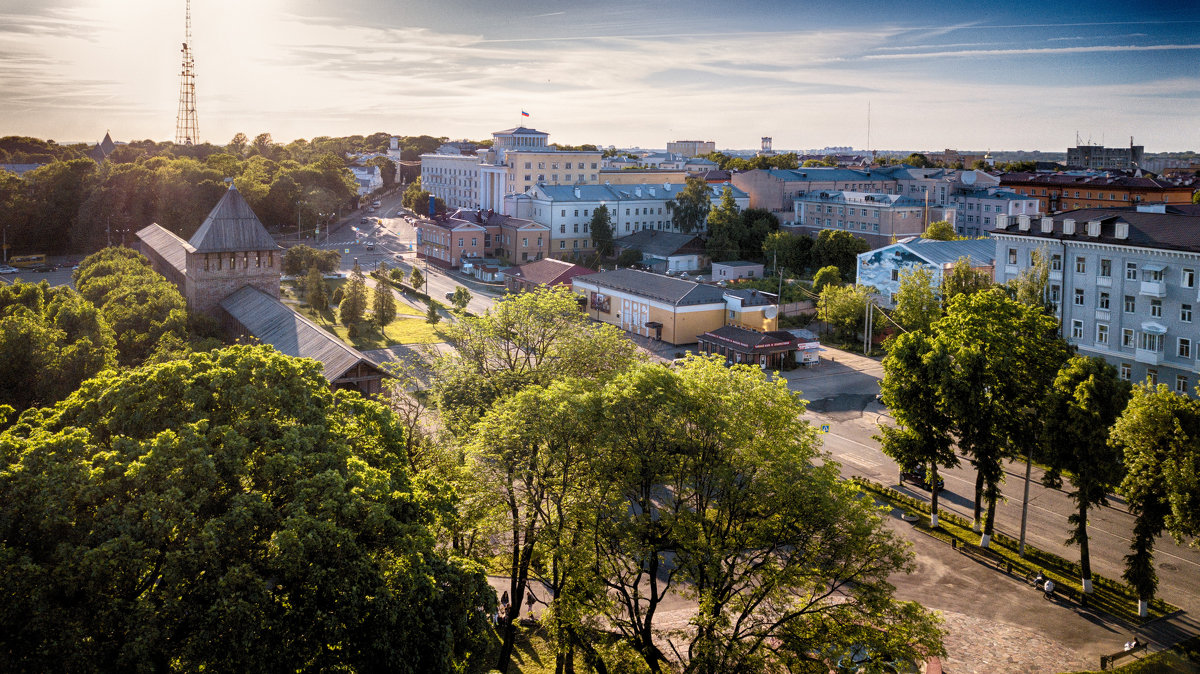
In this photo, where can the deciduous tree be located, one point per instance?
(839, 248)
(941, 230)
(602, 232)
(689, 209)
(826, 276)
(1081, 409)
(917, 303)
(962, 279)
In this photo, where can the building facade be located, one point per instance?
(568, 210)
(877, 217)
(1065, 191)
(883, 268)
(467, 234)
(1123, 283)
(691, 148)
(454, 178)
(1106, 158)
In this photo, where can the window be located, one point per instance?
(525, 242)
(562, 229)
(1126, 370)
(460, 242)
(1130, 271)
(1152, 376)
(1012, 255)
(1076, 329)
(1185, 347)
(1188, 278)
(1156, 308)
(1150, 342)
(1079, 297)
(1102, 303)
(1127, 337)
(1181, 384)
(474, 241)
(1080, 265)
(575, 228)
(895, 275)
(1055, 295)
(1130, 304)
(1185, 313)
(569, 165)
(1102, 333)
(1154, 275)
(554, 166)
(528, 166)
(562, 245)
(541, 165)
(1056, 262)
(577, 212)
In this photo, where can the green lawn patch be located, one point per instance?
(1108, 595)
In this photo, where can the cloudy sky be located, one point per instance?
(978, 75)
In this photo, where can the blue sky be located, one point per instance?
(972, 76)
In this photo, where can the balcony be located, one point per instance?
(1154, 288)
(1147, 356)
(1104, 281)
(1103, 315)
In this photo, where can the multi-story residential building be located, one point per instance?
(518, 159)
(1124, 283)
(976, 208)
(691, 148)
(447, 241)
(1105, 158)
(369, 178)
(1074, 190)
(567, 210)
(882, 268)
(877, 217)
(641, 176)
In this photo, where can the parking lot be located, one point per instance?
(58, 277)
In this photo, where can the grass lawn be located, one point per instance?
(399, 331)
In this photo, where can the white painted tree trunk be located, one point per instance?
(1143, 608)
(985, 541)
(1087, 585)
(933, 520)
(976, 527)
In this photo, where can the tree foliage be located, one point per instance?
(416, 279)
(788, 251)
(1158, 434)
(51, 339)
(353, 306)
(148, 517)
(299, 259)
(1080, 410)
(146, 311)
(316, 293)
(840, 248)
(962, 279)
(844, 308)
(724, 222)
(383, 305)
(917, 304)
(689, 209)
(941, 230)
(826, 276)
(602, 231)
(461, 298)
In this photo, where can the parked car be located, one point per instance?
(916, 475)
(449, 297)
(363, 221)
(370, 245)
(5, 269)
(43, 268)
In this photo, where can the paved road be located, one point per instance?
(841, 393)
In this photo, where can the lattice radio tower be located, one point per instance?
(186, 130)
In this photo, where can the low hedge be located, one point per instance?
(1108, 595)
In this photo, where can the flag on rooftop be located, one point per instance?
(524, 114)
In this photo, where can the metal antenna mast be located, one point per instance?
(186, 129)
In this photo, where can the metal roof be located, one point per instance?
(655, 286)
(661, 243)
(173, 249)
(275, 323)
(980, 251)
(1168, 231)
(231, 226)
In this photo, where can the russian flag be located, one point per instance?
(524, 114)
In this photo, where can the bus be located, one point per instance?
(27, 260)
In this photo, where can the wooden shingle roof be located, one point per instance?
(164, 242)
(231, 227)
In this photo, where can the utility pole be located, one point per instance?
(1025, 503)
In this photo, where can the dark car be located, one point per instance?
(916, 475)
(43, 268)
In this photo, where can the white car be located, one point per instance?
(336, 274)
(5, 269)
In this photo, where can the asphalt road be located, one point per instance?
(842, 394)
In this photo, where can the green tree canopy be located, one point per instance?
(299, 259)
(941, 230)
(724, 224)
(316, 293)
(149, 516)
(353, 306)
(602, 232)
(962, 279)
(383, 305)
(689, 209)
(839, 248)
(826, 276)
(917, 304)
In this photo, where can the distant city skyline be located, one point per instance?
(1022, 75)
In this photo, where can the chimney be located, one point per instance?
(1069, 227)
(1122, 230)
(1047, 225)
(1001, 221)
(1023, 223)
(1094, 228)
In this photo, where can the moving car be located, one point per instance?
(916, 475)
(5, 269)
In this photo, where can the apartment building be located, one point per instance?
(452, 177)
(466, 234)
(1066, 191)
(567, 210)
(976, 208)
(1123, 283)
(691, 148)
(1104, 158)
(877, 217)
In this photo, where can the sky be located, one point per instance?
(981, 75)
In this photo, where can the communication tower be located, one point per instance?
(186, 129)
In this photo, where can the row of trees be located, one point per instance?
(614, 483)
(981, 372)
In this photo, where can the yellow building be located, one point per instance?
(674, 310)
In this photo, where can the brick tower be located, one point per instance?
(231, 249)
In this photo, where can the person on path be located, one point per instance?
(1049, 588)
(529, 601)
